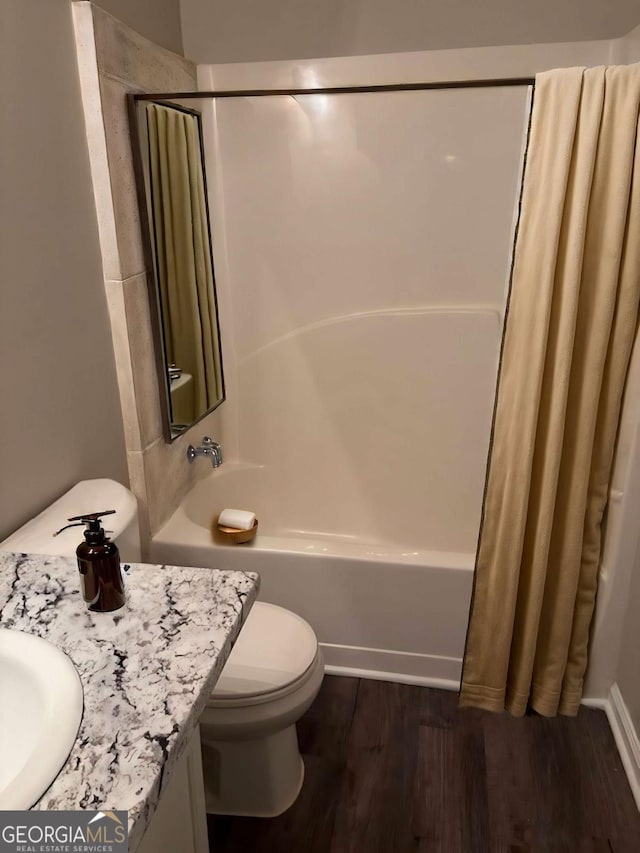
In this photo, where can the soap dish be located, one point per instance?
(235, 536)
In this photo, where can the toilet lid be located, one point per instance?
(274, 648)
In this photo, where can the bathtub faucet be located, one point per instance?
(210, 448)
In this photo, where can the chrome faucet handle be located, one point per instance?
(210, 448)
(215, 449)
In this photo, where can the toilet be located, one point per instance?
(251, 761)
(37, 535)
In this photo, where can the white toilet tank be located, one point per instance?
(36, 536)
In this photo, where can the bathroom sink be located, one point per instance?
(40, 712)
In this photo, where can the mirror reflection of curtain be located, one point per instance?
(182, 255)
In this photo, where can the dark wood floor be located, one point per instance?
(392, 768)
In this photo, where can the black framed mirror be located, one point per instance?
(172, 192)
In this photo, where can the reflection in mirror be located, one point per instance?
(172, 189)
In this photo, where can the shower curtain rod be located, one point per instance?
(343, 90)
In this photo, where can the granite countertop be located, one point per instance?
(146, 670)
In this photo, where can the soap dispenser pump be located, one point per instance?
(99, 565)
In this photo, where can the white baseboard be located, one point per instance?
(601, 704)
(626, 739)
(384, 665)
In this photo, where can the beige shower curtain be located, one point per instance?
(182, 252)
(570, 326)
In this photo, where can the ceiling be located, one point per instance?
(251, 30)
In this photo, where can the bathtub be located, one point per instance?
(379, 609)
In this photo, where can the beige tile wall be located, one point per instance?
(114, 60)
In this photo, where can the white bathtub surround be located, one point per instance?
(363, 288)
(146, 671)
(366, 284)
(568, 341)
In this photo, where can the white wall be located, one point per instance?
(60, 410)
(615, 654)
(627, 49)
(626, 613)
(254, 30)
(628, 672)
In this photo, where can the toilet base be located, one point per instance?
(252, 778)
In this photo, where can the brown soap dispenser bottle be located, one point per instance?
(99, 565)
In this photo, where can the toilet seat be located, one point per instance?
(273, 656)
(243, 701)
(245, 718)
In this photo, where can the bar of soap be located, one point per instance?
(239, 519)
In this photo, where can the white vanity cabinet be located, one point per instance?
(179, 824)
